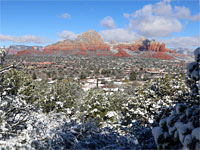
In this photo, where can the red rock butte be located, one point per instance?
(29, 52)
(90, 43)
(150, 48)
(87, 43)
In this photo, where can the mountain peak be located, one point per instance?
(90, 37)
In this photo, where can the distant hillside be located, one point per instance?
(90, 43)
(186, 51)
(14, 49)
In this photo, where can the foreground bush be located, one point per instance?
(179, 127)
(148, 102)
(58, 96)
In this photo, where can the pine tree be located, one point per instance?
(34, 76)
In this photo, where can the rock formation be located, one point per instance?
(158, 49)
(122, 53)
(29, 52)
(14, 49)
(87, 43)
(90, 43)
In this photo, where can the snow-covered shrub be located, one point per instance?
(14, 114)
(96, 104)
(3, 53)
(22, 85)
(14, 111)
(193, 73)
(147, 102)
(61, 96)
(38, 133)
(145, 105)
(88, 136)
(179, 126)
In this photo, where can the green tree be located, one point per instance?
(82, 76)
(132, 76)
(34, 76)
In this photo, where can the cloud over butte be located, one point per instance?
(23, 39)
(108, 22)
(67, 35)
(119, 35)
(159, 19)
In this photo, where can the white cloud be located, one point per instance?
(144, 12)
(183, 42)
(108, 22)
(65, 16)
(23, 39)
(159, 19)
(162, 8)
(67, 35)
(184, 13)
(119, 35)
(181, 12)
(156, 26)
(152, 21)
(126, 15)
(195, 18)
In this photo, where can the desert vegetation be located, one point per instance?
(59, 114)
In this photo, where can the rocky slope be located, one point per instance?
(122, 53)
(31, 51)
(91, 43)
(149, 48)
(88, 43)
(14, 49)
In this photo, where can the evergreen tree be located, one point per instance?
(132, 76)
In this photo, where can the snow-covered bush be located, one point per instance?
(96, 104)
(88, 136)
(37, 134)
(193, 73)
(2, 55)
(144, 105)
(61, 96)
(21, 83)
(56, 131)
(14, 112)
(149, 101)
(179, 126)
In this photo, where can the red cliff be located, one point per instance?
(28, 52)
(87, 43)
(158, 49)
(122, 53)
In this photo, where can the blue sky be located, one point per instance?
(44, 22)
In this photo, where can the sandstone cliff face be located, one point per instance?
(90, 43)
(14, 49)
(122, 53)
(142, 44)
(64, 46)
(151, 46)
(87, 43)
(28, 52)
